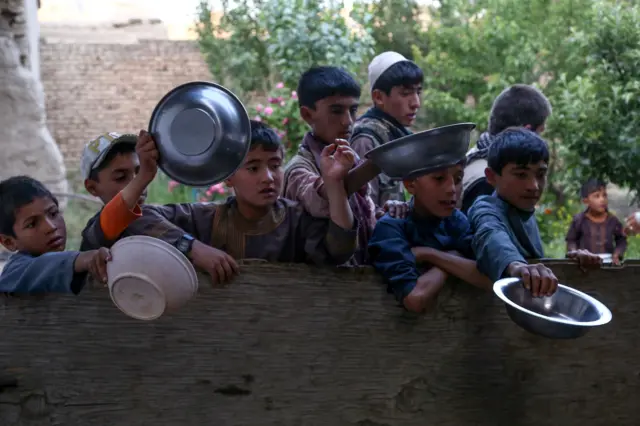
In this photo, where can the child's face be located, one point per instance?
(597, 201)
(258, 182)
(522, 186)
(402, 103)
(332, 118)
(114, 177)
(437, 193)
(39, 228)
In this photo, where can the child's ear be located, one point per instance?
(491, 176)
(410, 185)
(306, 114)
(90, 186)
(585, 201)
(8, 242)
(377, 96)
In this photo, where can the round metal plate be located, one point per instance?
(202, 132)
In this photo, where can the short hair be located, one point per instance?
(403, 73)
(264, 136)
(318, 83)
(516, 145)
(592, 185)
(17, 192)
(518, 106)
(118, 149)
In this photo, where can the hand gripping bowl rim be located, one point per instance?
(606, 317)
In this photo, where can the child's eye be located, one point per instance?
(276, 166)
(252, 169)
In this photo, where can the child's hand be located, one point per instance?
(218, 264)
(94, 262)
(98, 264)
(632, 227)
(585, 259)
(148, 156)
(539, 279)
(397, 209)
(336, 160)
(615, 259)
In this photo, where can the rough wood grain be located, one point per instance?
(291, 345)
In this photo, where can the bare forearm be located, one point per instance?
(463, 268)
(339, 208)
(133, 191)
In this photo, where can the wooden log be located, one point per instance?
(292, 345)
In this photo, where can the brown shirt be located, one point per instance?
(286, 234)
(599, 238)
(303, 183)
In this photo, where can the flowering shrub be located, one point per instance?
(166, 191)
(281, 114)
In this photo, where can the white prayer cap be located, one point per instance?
(381, 63)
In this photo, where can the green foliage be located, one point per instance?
(259, 42)
(281, 113)
(395, 26)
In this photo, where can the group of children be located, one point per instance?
(303, 212)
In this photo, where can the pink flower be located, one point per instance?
(209, 193)
(283, 103)
(281, 133)
(257, 118)
(217, 188)
(259, 107)
(268, 111)
(280, 85)
(294, 95)
(285, 121)
(172, 185)
(273, 100)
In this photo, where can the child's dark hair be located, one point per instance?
(519, 105)
(17, 192)
(516, 145)
(591, 186)
(318, 83)
(264, 136)
(404, 73)
(118, 149)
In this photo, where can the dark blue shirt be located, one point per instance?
(392, 240)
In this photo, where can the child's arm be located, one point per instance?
(61, 272)
(572, 236)
(453, 264)
(392, 257)
(308, 189)
(491, 242)
(621, 241)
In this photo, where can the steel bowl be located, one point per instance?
(567, 314)
(420, 153)
(202, 132)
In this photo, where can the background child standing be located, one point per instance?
(596, 229)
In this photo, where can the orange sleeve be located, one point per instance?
(116, 216)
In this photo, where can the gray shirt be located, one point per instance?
(502, 234)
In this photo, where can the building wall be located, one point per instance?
(95, 88)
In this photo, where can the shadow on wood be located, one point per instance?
(295, 345)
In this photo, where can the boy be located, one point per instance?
(435, 233)
(33, 227)
(396, 85)
(257, 223)
(595, 229)
(328, 98)
(505, 231)
(520, 105)
(110, 163)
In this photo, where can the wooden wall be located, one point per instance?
(291, 345)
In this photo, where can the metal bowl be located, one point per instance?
(420, 153)
(202, 132)
(567, 314)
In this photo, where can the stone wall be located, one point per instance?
(95, 88)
